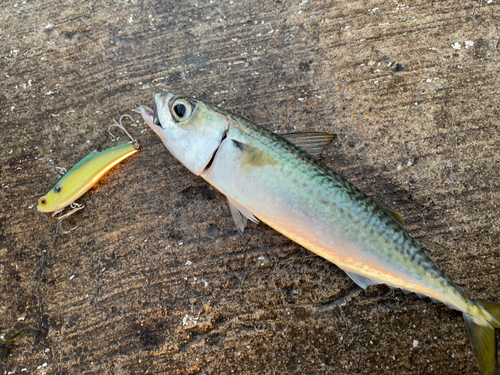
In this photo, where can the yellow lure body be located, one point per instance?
(85, 174)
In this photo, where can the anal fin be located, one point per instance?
(361, 280)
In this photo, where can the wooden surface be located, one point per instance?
(156, 279)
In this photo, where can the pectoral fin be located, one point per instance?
(252, 156)
(311, 142)
(240, 215)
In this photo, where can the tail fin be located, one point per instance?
(484, 317)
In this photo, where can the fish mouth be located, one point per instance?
(150, 115)
(156, 119)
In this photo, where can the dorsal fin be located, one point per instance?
(311, 142)
(395, 214)
(240, 215)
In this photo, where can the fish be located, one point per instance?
(272, 178)
(82, 176)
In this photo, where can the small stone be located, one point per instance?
(399, 68)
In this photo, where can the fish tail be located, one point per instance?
(481, 319)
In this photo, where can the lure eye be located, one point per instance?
(181, 109)
(42, 201)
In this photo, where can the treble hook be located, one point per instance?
(75, 207)
(120, 126)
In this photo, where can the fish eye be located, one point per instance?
(42, 201)
(181, 109)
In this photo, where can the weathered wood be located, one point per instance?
(156, 278)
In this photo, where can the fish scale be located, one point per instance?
(396, 244)
(269, 177)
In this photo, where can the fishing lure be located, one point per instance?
(85, 174)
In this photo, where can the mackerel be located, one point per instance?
(272, 178)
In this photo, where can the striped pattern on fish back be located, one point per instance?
(395, 235)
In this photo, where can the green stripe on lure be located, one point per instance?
(85, 174)
(272, 178)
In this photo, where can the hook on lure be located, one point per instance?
(120, 126)
(85, 174)
(74, 208)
